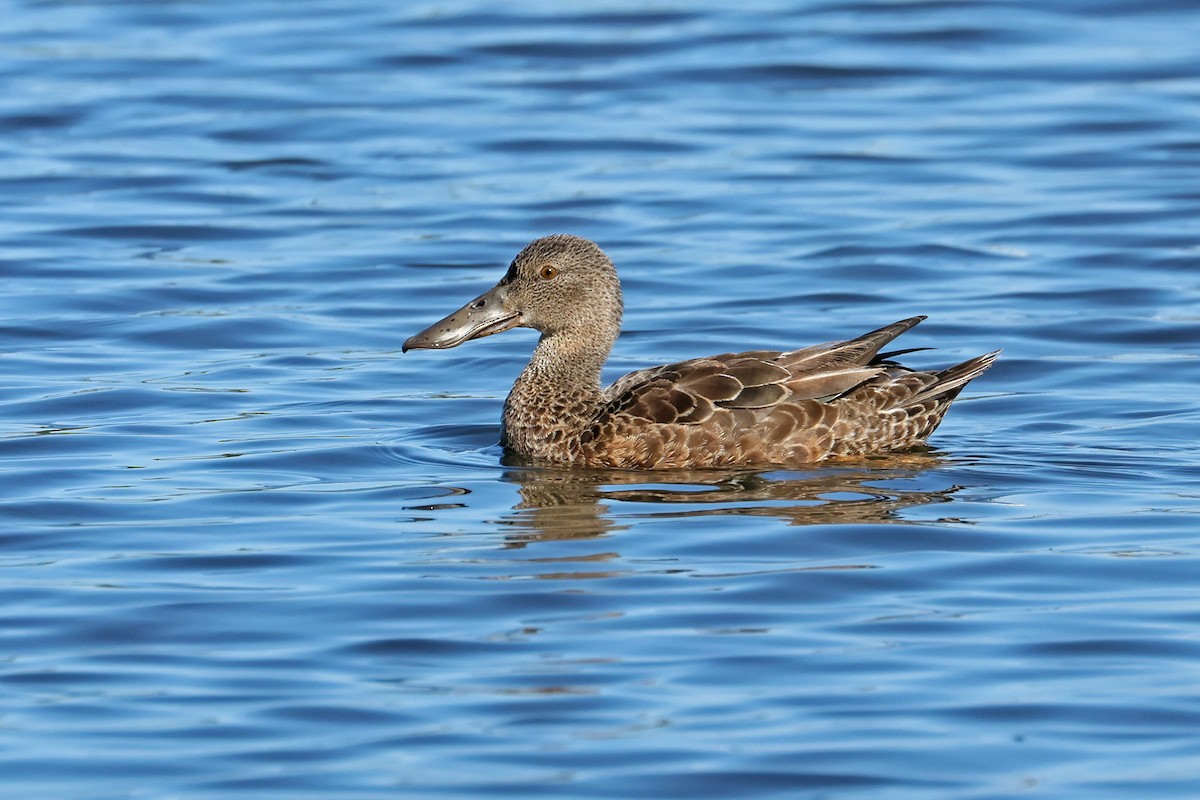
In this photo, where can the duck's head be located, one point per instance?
(557, 284)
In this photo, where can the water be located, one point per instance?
(249, 549)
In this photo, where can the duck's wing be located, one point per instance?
(692, 391)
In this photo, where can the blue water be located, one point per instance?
(250, 550)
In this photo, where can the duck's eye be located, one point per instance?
(548, 271)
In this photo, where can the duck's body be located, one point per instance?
(755, 408)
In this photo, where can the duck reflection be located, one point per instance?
(563, 504)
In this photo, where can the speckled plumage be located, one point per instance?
(734, 409)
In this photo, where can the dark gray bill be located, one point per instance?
(487, 314)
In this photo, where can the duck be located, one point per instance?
(758, 408)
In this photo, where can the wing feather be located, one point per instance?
(812, 401)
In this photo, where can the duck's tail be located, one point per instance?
(950, 381)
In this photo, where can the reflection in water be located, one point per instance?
(560, 504)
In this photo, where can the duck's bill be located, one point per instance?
(487, 314)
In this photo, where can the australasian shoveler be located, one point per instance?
(756, 408)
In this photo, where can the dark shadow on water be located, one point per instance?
(563, 504)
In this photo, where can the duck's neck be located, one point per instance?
(558, 394)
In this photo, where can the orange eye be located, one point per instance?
(549, 271)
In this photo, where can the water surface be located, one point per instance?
(248, 549)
